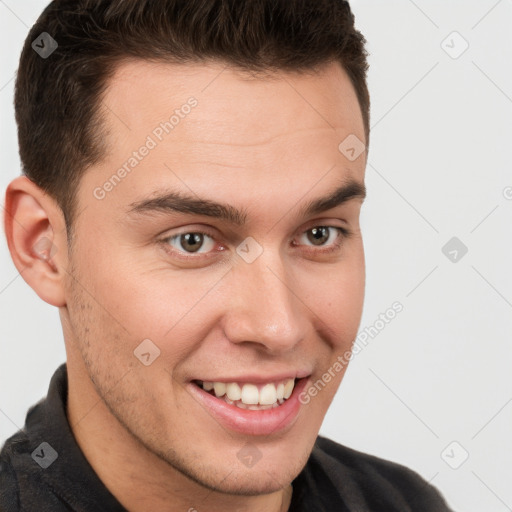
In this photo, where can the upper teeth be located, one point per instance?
(251, 394)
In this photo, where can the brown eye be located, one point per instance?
(323, 239)
(318, 235)
(192, 242)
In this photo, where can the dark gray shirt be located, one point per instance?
(43, 469)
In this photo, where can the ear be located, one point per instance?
(36, 235)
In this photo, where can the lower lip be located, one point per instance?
(245, 421)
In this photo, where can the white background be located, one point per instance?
(439, 167)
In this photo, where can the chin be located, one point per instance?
(250, 482)
(236, 479)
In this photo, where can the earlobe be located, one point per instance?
(36, 237)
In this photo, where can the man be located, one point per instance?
(193, 178)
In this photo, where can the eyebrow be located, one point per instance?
(174, 201)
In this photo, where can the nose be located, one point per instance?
(264, 306)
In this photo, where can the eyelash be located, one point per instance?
(343, 234)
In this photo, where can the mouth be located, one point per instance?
(250, 396)
(251, 408)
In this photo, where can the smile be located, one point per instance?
(251, 408)
(251, 396)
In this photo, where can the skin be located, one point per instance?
(267, 147)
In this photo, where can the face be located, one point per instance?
(227, 254)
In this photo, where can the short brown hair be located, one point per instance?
(57, 99)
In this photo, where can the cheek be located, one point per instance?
(163, 304)
(171, 308)
(336, 295)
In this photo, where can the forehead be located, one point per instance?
(244, 108)
(209, 125)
